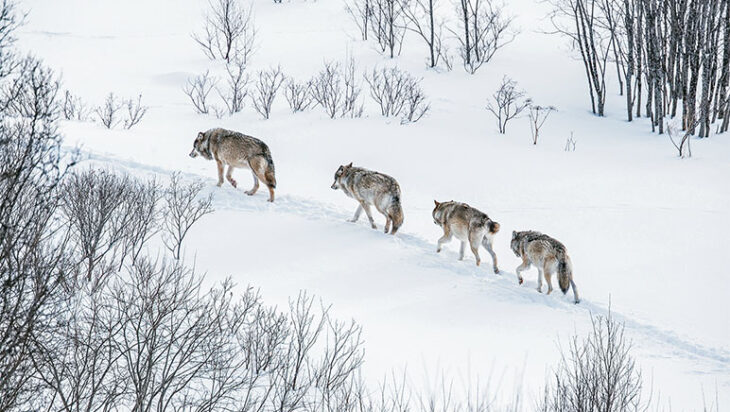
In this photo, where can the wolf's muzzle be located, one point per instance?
(334, 186)
(193, 154)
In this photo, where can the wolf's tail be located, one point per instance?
(269, 173)
(565, 271)
(395, 212)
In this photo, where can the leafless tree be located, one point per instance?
(507, 103)
(388, 25)
(298, 95)
(108, 114)
(10, 20)
(361, 12)
(397, 93)
(265, 90)
(680, 140)
(184, 207)
(484, 29)
(538, 116)
(198, 88)
(337, 91)
(73, 108)
(351, 104)
(420, 15)
(228, 31)
(135, 112)
(597, 373)
(237, 80)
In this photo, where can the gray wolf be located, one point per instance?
(549, 255)
(371, 188)
(237, 150)
(467, 224)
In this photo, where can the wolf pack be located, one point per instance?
(232, 150)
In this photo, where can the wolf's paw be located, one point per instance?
(478, 263)
(249, 192)
(219, 184)
(496, 272)
(521, 280)
(270, 200)
(438, 250)
(373, 226)
(233, 183)
(577, 301)
(351, 220)
(549, 291)
(539, 290)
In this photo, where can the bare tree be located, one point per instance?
(229, 31)
(198, 88)
(298, 95)
(388, 25)
(237, 80)
(397, 93)
(538, 116)
(680, 140)
(108, 113)
(485, 29)
(135, 112)
(327, 89)
(420, 15)
(351, 104)
(361, 12)
(265, 89)
(507, 103)
(184, 207)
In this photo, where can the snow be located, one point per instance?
(646, 231)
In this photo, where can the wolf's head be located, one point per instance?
(201, 147)
(338, 175)
(515, 243)
(436, 214)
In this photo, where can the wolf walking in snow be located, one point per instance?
(371, 188)
(549, 255)
(468, 224)
(237, 150)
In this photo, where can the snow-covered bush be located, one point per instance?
(298, 95)
(397, 93)
(538, 116)
(336, 90)
(236, 88)
(110, 114)
(484, 28)
(198, 89)
(265, 89)
(73, 108)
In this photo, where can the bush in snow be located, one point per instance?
(484, 29)
(73, 108)
(236, 88)
(507, 103)
(198, 89)
(229, 31)
(570, 143)
(388, 25)
(398, 94)
(298, 95)
(538, 116)
(337, 91)
(265, 89)
(110, 114)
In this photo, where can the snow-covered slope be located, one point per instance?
(645, 230)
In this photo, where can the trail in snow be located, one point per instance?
(502, 287)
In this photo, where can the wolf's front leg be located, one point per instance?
(444, 239)
(229, 176)
(488, 245)
(220, 172)
(366, 207)
(357, 214)
(255, 185)
(462, 248)
(549, 280)
(539, 279)
(387, 224)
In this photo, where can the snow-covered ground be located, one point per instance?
(646, 231)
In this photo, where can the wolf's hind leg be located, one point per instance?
(576, 298)
(539, 278)
(229, 176)
(524, 266)
(255, 185)
(548, 279)
(488, 245)
(444, 239)
(387, 223)
(358, 211)
(462, 248)
(474, 240)
(220, 172)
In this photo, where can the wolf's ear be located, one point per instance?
(201, 134)
(436, 202)
(350, 165)
(514, 233)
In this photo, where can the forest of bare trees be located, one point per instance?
(671, 58)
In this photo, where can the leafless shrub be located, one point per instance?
(570, 143)
(681, 139)
(538, 116)
(361, 11)
(397, 93)
(484, 29)
(10, 20)
(135, 112)
(198, 88)
(337, 91)
(268, 84)
(229, 31)
(421, 19)
(73, 108)
(184, 207)
(237, 87)
(507, 103)
(298, 95)
(108, 113)
(596, 374)
(351, 105)
(32, 84)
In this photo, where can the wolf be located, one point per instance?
(371, 188)
(237, 150)
(467, 224)
(548, 255)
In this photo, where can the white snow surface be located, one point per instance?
(646, 231)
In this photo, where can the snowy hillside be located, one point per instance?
(646, 231)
